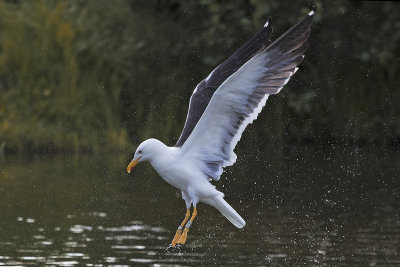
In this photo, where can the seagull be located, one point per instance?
(220, 108)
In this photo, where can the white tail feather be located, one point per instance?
(220, 204)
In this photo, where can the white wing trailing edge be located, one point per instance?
(206, 88)
(241, 97)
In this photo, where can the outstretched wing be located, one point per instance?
(206, 88)
(240, 98)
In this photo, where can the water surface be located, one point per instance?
(304, 205)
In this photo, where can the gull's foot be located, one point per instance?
(170, 248)
(177, 244)
(183, 237)
(177, 248)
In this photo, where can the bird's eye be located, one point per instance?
(140, 151)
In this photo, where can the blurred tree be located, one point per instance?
(87, 74)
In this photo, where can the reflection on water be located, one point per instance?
(302, 205)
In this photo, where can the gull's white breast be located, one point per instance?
(182, 173)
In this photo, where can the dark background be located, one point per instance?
(100, 75)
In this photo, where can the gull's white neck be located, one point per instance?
(178, 170)
(156, 152)
(161, 153)
(165, 160)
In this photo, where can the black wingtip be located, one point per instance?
(268, 22)
(313, 10)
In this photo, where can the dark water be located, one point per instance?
(332, 206)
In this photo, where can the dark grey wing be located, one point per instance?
(206, 88)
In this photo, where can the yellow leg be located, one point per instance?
(182, 239)
(179, 231)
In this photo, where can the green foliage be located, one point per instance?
(87, 74)
(47, 100)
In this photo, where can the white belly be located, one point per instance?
(174, 173)
(185, 176)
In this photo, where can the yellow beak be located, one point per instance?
(132, 164)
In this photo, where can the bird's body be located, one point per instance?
(220, 108)
(176, 169)
(180, 171)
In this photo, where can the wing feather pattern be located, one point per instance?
(206, 88)
(241, 97)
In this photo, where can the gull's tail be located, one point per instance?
(220, 204)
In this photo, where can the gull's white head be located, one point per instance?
(146, 151)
